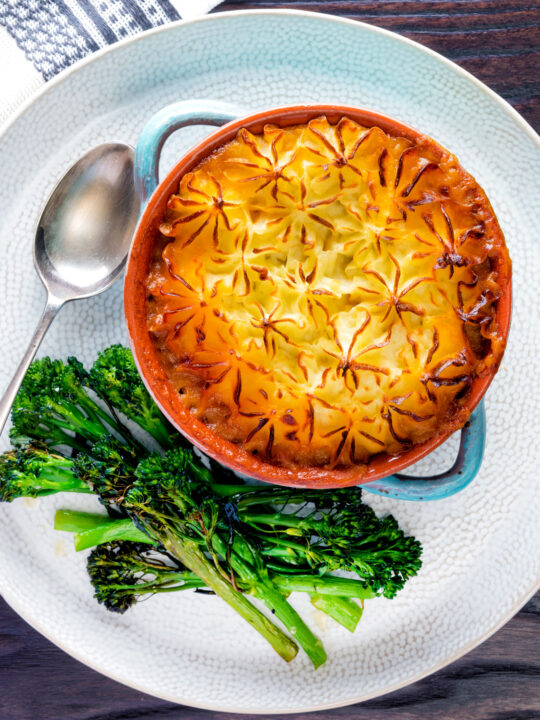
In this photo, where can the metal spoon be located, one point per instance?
(82, 239)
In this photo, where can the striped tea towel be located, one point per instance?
(39, 38)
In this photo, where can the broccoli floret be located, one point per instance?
(123, 572)
(384, 557)
(33, 472)
(53, 407)
(176, 477)
(108, 468)
(339, 532)
(114, 377)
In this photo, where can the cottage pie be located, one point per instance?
(326, 292)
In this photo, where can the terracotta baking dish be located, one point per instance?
(232, 455)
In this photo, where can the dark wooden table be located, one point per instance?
(499, 42)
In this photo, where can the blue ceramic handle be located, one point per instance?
(205, 112)
(437, 487)
(164, 123)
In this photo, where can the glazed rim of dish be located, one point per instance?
(147, 356)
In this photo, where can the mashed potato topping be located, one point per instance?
(325, 292)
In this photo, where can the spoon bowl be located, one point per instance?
(82, 239)
(85, 230)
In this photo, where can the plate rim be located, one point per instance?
(286, 711)
(324, 17)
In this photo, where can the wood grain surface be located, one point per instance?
(496, 40)
(499, 42)
(499, 680)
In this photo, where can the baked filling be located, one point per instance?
(326, 292)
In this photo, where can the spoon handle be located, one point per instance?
(51, 308)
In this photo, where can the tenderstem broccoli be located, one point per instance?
(339, 532)
(123, 572)
(92, 529)
(53, 407)
(32, 471)
(160, 512)
(115, 379)
(180, 511)
(174, 524)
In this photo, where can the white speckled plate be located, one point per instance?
(481, 556)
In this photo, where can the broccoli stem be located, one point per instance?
(263, 587)
(76, 521)
(254, 495)
(107, 532)
(159, 432)
(59, 437)
(226, 490)
(194, 584)
(103, 418)
(266, 591)
(324, 585)
(90, 424)
(282, 520)
(90, 529)
(191, 556)
(343, 610)
(55, 478)
(283, 546)
(97, 530)
(175, 581)
(185, 584)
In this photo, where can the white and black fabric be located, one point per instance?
(39, 38)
